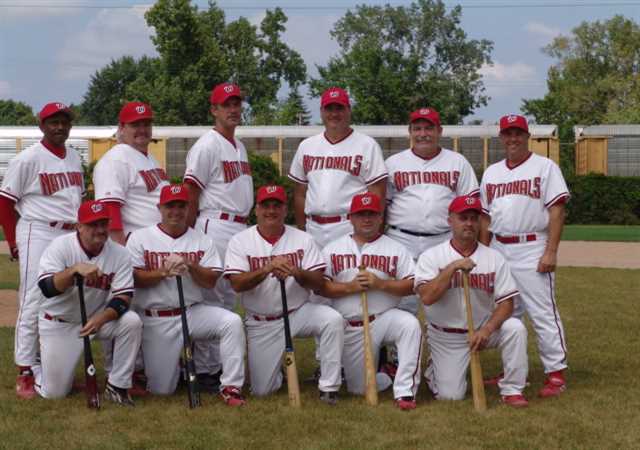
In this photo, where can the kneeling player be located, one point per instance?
(159, 253)
(256, 260)
(107, 276)
(387, 278)
(439, 283)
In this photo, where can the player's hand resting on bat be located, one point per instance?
(480, 339)
(96, 321)
(90, 272)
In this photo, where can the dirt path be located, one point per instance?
(620, 255)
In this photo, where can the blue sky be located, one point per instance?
(50, 48)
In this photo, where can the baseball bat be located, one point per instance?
(289, 356)
(479, 399)
(371, 388)
(91, 382)
(190, 366)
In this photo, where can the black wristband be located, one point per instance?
(118, 305)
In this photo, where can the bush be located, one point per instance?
(600, 199)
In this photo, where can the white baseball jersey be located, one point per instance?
(223, 173)
(64, 252)
(150, 247)
(335, 172)
(517, 197)
(44, 186)
(128, 176)
(490, 283)
(419, 190)
(384, 257)
(249, 251)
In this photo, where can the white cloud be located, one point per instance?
(5, 89)
(38, 10)
(504, 80)
(309, 36)
(112, 33)
(542, 30)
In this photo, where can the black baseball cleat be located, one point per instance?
(330, 398)
(209, 382)
(118, 395)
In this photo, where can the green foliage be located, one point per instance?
(16, 113)
(394, 59)
(87, 172)
(264, 171)
(291, 111)
(600, 199)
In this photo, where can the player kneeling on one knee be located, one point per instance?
(439, 283)
(256, 260)
(105, 268)
(386, 277)
(159, 253)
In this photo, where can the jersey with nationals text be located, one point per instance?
(128, 176)
(490, 283)
(150, 246)
(44, 186)
(223, 173)
(116, 279)
(335, 172)
(420, 189)
(248, 251)
(518, 198)
(384, 257)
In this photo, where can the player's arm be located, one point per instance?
(485, 235)
(194, 202)
(431, 291)
(9, 219)
(143, 278)
(299, 198)
(116, 307)
(399, 288)
(556, 223)
(501, 313)
(336, 289)
(245, 281)
(59, 282)
(205, 277)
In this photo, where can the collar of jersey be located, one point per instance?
(510, 167)
(460, 251)
(60, 152)
(427, 158)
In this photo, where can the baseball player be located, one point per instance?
(43, 185)
(107, 276)
(439, 283)
(524, 196)
(159, 253)
(330, 168)
(220, 199)
(256, 259)
(388, 277)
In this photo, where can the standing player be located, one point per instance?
(388, 277)
(330, 168)
(220, 199)
(159, 253)
(439, 284)
(256, 259)
(107, 276)
(524, 197)
(44, 185)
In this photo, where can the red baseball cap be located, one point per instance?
(224, 91)
(134, 111)
(513, 121)
(51, 109)
(465, 203)
(92, 211)
(174, 193)
(367, 201)
(271, 192)
(429, 114)
(334, 95)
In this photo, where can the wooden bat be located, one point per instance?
(371, 387)
(477, 384)
(91, 382)
(289, 356)
(190, 366)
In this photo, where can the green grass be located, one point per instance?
(620, 233)
(9, 273)
(599, 410)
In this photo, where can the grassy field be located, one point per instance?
(599, 410)
(9, 273)
(619, 233)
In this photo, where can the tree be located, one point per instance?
(292, 111)
(16, 113)
(394, 59)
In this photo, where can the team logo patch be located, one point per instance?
(140, 109)
(366, 201)
(425, 111)
(470, 201)
(512, 118)
(61, 106)
(176, 189)
(271, 189)
(228, 89)
(334, 94)
(96, 207)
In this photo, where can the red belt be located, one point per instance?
(516, 239)
(163, 312)
(360, 323)
(325, 219)
(270, 318)
(450, 330)
(63, 225)
(54, 319)
(232, 218)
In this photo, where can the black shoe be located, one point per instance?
(209, 382)
(118, 395)
(330, 398)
